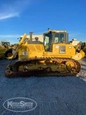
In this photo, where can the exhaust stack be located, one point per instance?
(31, 36)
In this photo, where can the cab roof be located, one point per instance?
(56, 31)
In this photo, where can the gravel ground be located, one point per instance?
(54, 95)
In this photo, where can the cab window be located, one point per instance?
(47, 41)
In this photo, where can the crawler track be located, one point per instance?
(44, 66)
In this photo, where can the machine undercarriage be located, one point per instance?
(44, 67)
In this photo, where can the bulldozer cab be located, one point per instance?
(54, 37)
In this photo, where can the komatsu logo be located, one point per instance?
(20, 104)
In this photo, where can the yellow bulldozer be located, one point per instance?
(80, 49)
(4, 46)
(52, 57)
